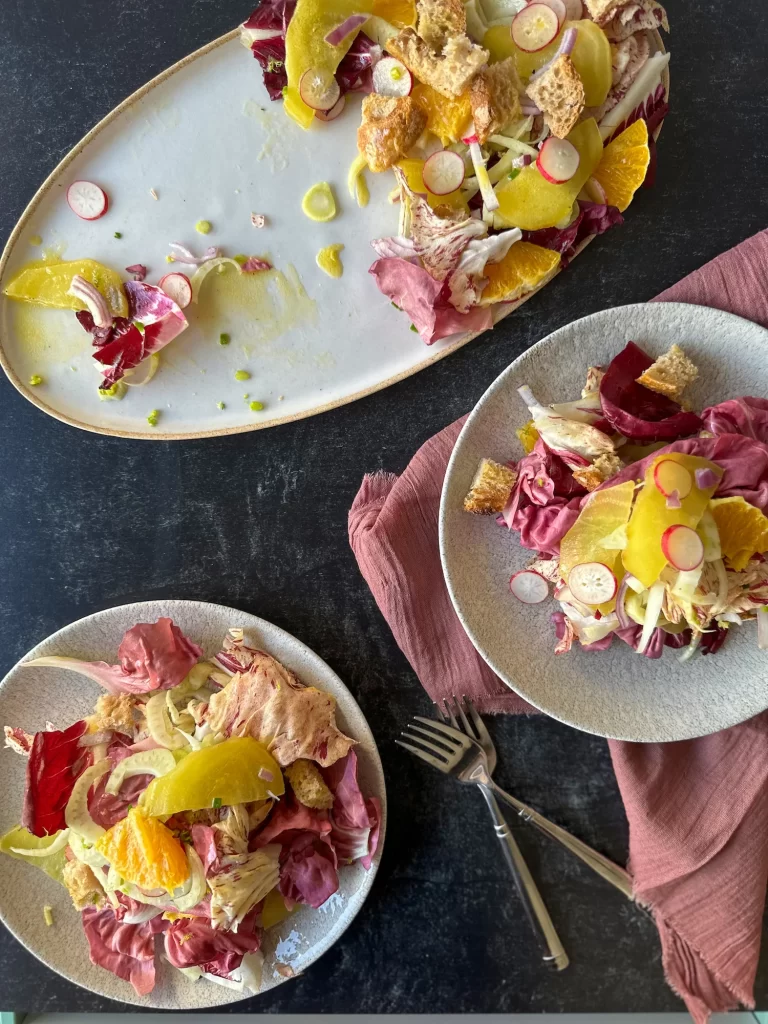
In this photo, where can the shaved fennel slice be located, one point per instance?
(59, 843)
(146, 762)
(652, 612)
(76, 812)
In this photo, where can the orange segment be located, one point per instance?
(624, 164)
(743, 530)
(400, 13)
(145, 852)
(448, 119)
(523, 268)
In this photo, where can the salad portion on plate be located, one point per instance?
(647, 519)
(515, 131)
(199, 805)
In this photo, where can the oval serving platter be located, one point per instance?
(63, 697)
(204, 138)
(611, 693)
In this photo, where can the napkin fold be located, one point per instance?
(697, 809)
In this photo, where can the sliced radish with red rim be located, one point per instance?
(529, 587)
(592, 583)
(534, 27)
(319, 89)
(558, 6)
(443, 172)
(670, 478)
(682, 547)
(391, 78)
(177, 287)
(333, 113)
(87, 200)
(558, 160)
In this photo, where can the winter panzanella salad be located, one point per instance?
(515, 130)
(648, 519)
(199, 804)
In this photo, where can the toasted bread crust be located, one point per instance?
(602, 469)
(671, 374)
(308, 785)
(495, 97)
(113, 713)
(82, 884)
(391, 126)
(449, 72)
(439, 20)
(491, 488)
(559, 93)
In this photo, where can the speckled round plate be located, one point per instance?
(612, 693)
(30, 697)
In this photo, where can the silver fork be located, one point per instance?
(452, 759)
(600, 864)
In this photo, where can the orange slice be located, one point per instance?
(743, 530)
(624, 164)
(145, 852)
(523, 268)
(448, 119)
(400, 13)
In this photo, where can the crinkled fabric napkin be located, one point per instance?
(697, 810)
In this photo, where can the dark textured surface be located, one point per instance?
(88, 522)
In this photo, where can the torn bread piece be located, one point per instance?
(113, 713)
(491, 488)
(559, 93)
(592, 384)
(602, 469)
(448, 72)
(308, 785)
(494, 96)
(671, 374)
(439, 20)
(82, 884)
(391, 126)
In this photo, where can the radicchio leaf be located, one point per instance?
(592, 219)
(194, 943)
(55, 763)
(355, 821)
(127, 950)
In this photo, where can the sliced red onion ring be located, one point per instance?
(94, 300)
(529, 109)
(181, 254)
(339, 34)
(706, 478)
(621, 614)
(565, 49)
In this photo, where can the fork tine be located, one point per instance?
(479, 724)
(454, 735)
(451, 715)
(439, 710)
(464, 720)
(445, 750)
(433, 761)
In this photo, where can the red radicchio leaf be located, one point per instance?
(253, 263)
(204, 842)
(107, 810)
(193, 943)
(355, 821)
(637, 412)
(747, 416)
(158, 653)
(272, 14)
(290, 816)
(55, 762)
(127, 950)
(307, 868)
(593, 219)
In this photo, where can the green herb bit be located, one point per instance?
(242, 375)
(396, 306)
(513, 173)
(256, 406)
(220, 405)
(203, 227)
(118, 234)
(170, 259)
(240, 259)
(153, 417)
(413, 328)
(139, 326)
(224, 339)
(48, 915)
(35, 379)
(216, 803)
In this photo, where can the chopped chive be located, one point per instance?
(216, 803)
(414, 328)
(224, 339)
(118, 234)
(48, 915)
(513, 173)
(170, 259)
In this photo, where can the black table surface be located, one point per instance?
(88, 522)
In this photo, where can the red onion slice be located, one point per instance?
(337, 35)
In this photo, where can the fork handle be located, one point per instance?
(530, 897)
(611, 872)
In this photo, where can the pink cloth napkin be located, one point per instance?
(697, 810)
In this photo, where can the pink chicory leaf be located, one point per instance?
(747, 416)
(290, 816)
(138, 270)
(307, 868)
(253, 263)
(394, 247)
(107, 810)
(466, 283)
(204, 842)
(193, 943)
(127, 950)
(355, 820)
(56, 761)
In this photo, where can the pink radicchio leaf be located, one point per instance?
(395, 247)
(308, 868)
(354, 72)
(56, 761)
(592, 219)
(424, 300)
(271, 16)
(467, 282)
(194, 943)
(204, 842)
(107, 810)
(127, 950)
(290, 816)
(138, 270)
(355, 821)
(747, 416)
(254, 263)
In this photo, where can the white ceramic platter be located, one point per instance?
(30, 697)
(616, 692)
(205, 136)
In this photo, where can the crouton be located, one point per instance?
(113, 713)
(308, 785)
(592, 384)
(559, 94)
(671, 374)
(449, 72)
(439, 20)
(391, 126)
(491, 488)
(83, 886)
(495, 98)
(602, 469)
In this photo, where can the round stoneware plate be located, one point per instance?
(206, 141)
(30, 697)
(613, 693)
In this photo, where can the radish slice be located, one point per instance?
(529, 587)
(558, 160)
(177, 287)
(319, 89)
(682, 548)
(669, 476)
(333, 113)
(87, 200)
(558, 6)
(443, 172)
(392, 78)
(592, 583)
(534, 27)
(574, 10)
